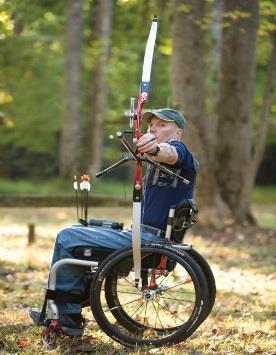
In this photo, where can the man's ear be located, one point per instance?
(179, 133)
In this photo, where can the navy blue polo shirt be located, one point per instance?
(162, 190)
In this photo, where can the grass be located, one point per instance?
(264, 194)
(243, 320)
(265, 214)
(101, 186)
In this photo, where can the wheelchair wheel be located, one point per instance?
(208, 274)
(135, 325)
(166, 309)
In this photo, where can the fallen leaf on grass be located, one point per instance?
(113, 352)
(154, 351)
(214, 348)
(181, 346)
(22, 343)
(219, 318)
(81, 348)
(10, 278)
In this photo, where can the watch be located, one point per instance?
(157, 150)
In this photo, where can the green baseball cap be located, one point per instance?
(166, 114)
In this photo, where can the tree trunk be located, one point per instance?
(235, 102)
(260, 139)
(101, 28)
(188, 96)
(70, 134)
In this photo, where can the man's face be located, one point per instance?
(163, 130)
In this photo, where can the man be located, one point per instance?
(162, 142)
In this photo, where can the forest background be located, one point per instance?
(68, 69)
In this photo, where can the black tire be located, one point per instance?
(134, 316)
(209, 276)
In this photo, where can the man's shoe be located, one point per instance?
(72, 324)
(35, 315)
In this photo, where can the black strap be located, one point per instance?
(43, 311)
(59, 297)
(63, 297)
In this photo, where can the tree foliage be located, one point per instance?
(31, 74)
(32, 64)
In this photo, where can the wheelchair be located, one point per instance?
(175, 295)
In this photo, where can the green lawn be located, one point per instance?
(56, 186)
(101, 186)
(264, 194)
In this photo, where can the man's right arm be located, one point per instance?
(162, 152)
(166, 154)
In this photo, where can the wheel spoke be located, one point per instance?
(169, 311)
(124, 304)
(179, 284)
(157, 315)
